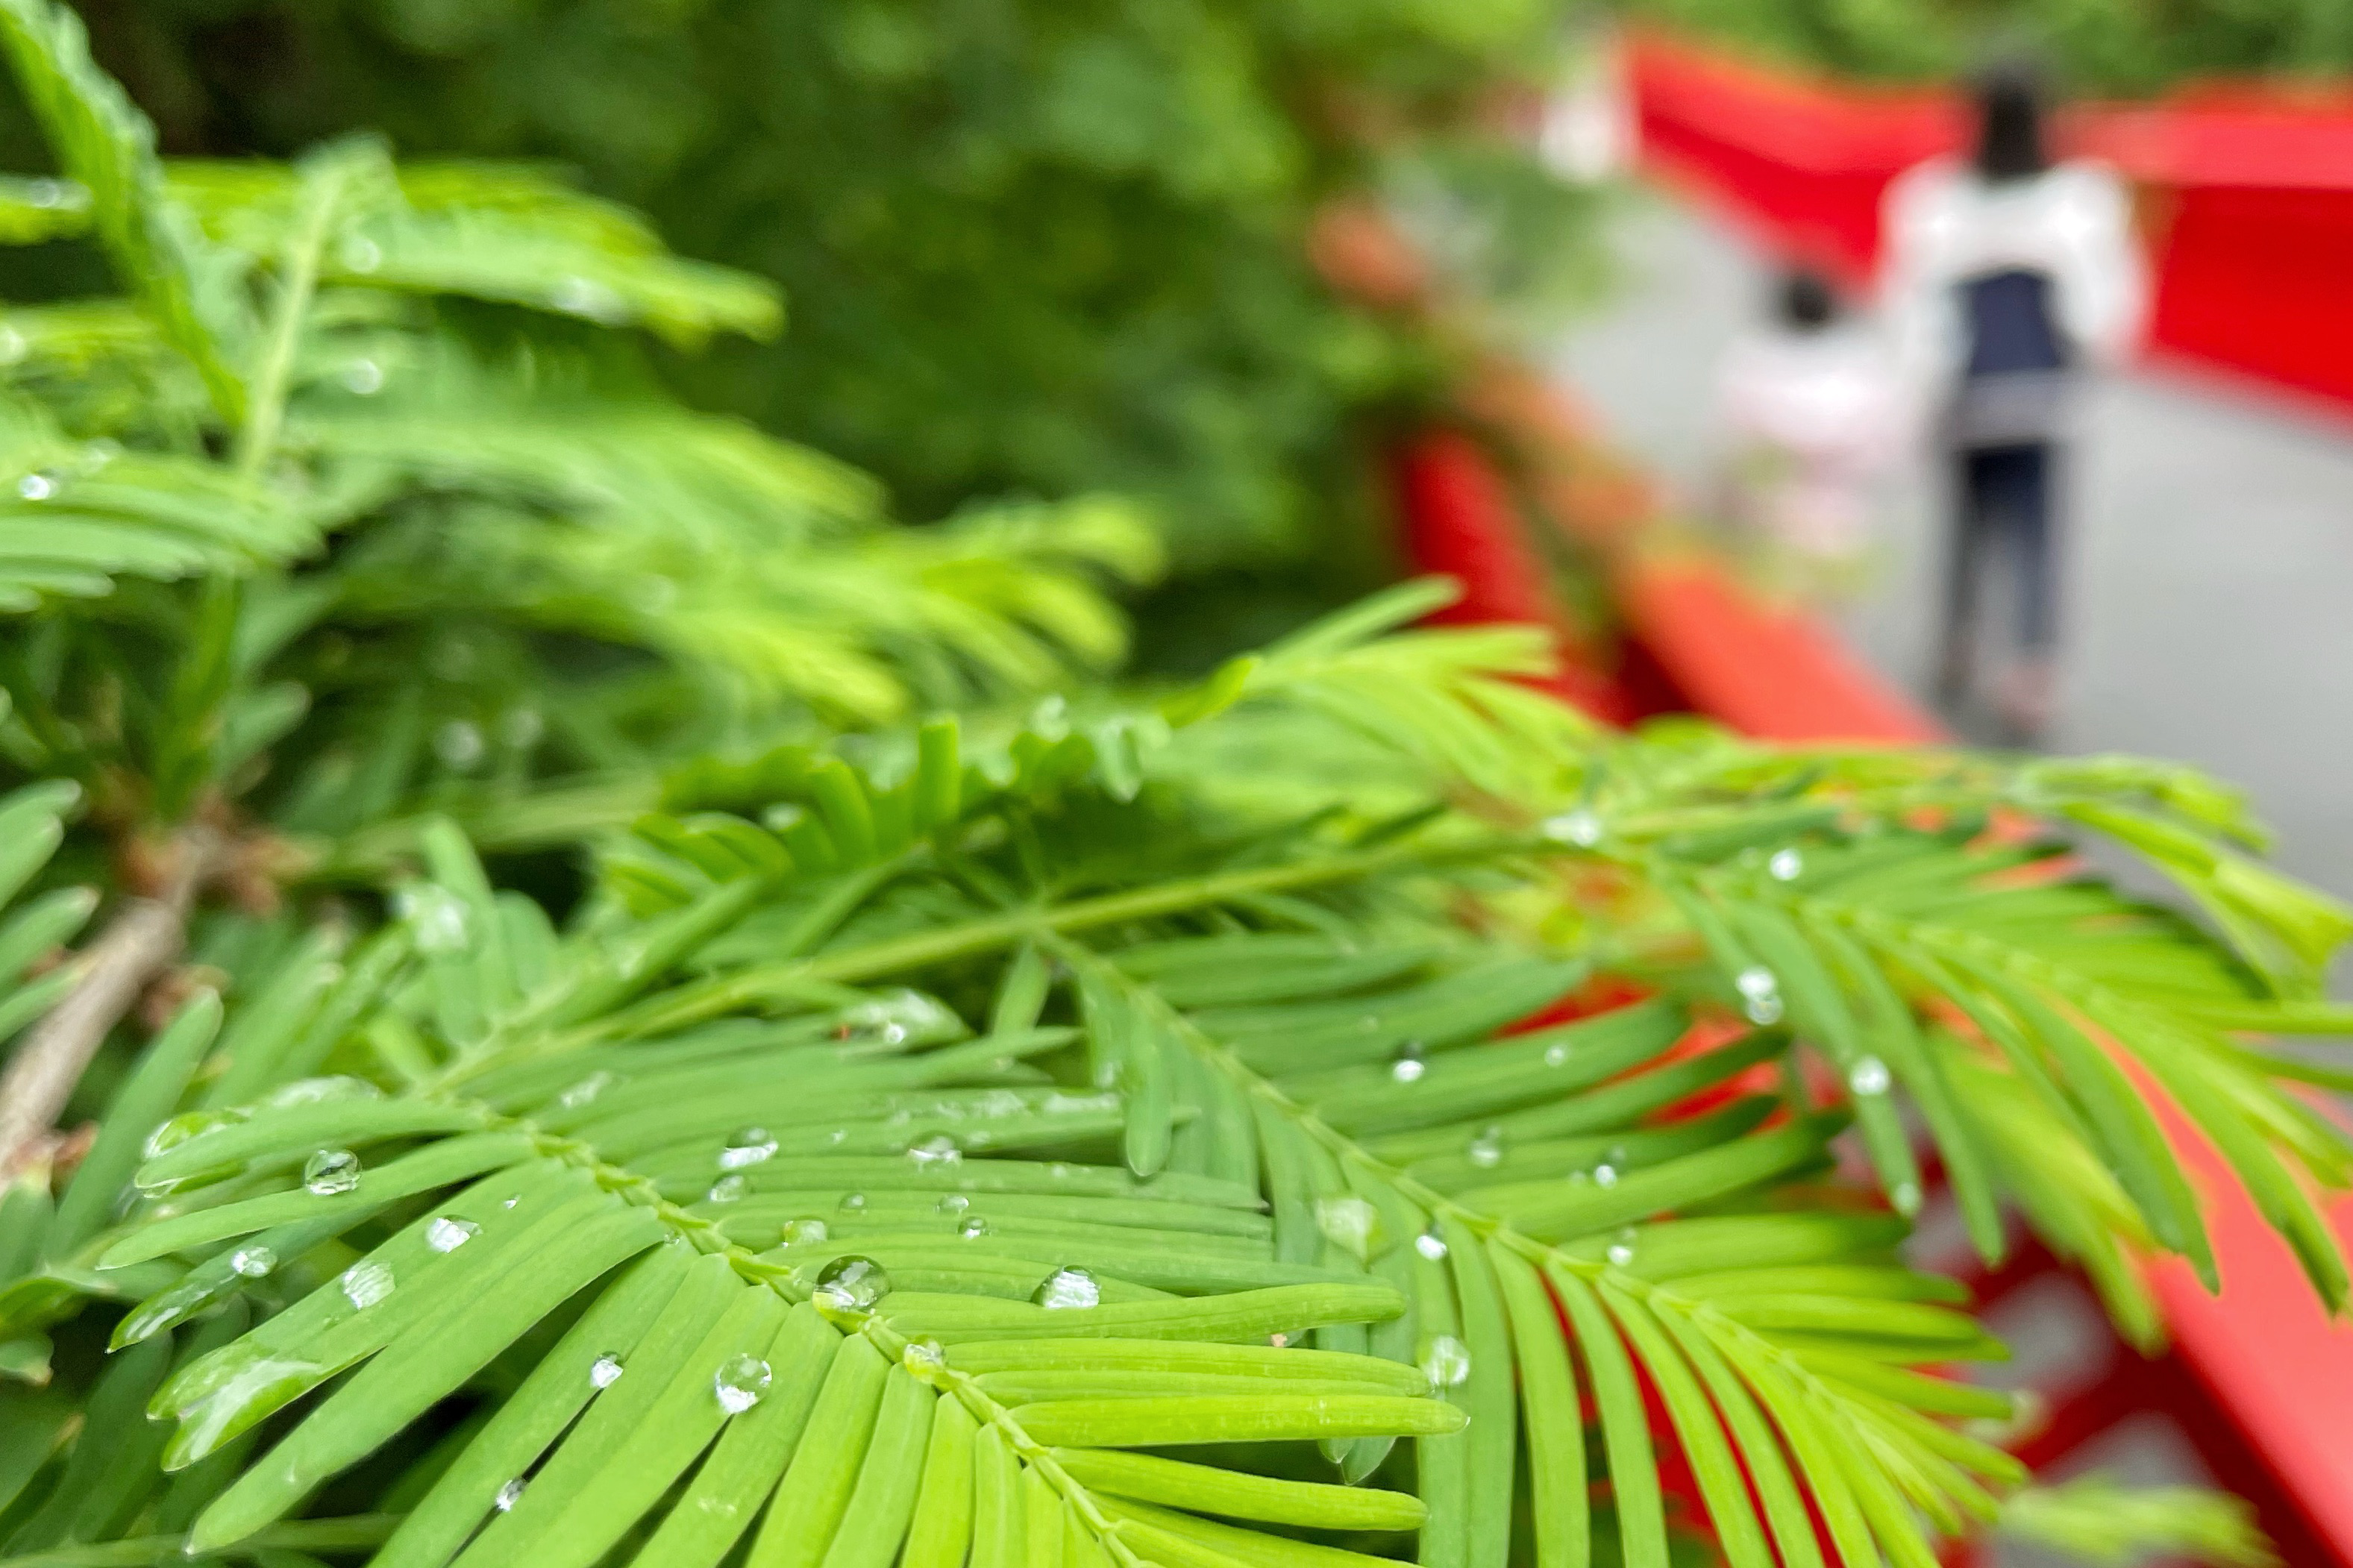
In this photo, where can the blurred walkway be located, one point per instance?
(2210, 586)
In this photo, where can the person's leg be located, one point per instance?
(2030, 684)
(1969, 518)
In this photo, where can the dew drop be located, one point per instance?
(605, 1369)
(364, 376)
(320, 1092)
(38, 486)
(850, 1286)
(449, 1233)
(585, 1091)
(740, 1382)
(509, 1495)
(330, 1171)
(1350, 1224)
(366, 1282)
(1621, 1249)
(1447, 1362)
(1068, 1288)
(181, 1128)
(1905, 1197)
(728, 1189)
(1431, 1244)
(1869, 1075)
(254, 1261)
(1605, 1174)
(1279, 1341)
(1555, 1055)
(747, 1146)
(1408, 1065)
(1486, 1149)
(973, 1229)
(923, 1356)
(954, 1203)
(12, 346)
(1786, 866)
(360, 253)
(937, 1153)
(1762, 992)
(805, 1232)
(1580, 827)
(853, 1202)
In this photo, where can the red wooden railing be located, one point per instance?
(2247, 198)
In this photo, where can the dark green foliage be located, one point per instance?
(1065, 243)
(2107, 47)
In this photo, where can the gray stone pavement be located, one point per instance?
(2209, 586)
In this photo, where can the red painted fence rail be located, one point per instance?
(2247, 198)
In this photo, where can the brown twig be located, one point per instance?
(144, 936)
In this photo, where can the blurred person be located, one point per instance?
(2007, 276)
(1812, 412)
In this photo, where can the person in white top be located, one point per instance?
(1811, 415)
(2006, 278)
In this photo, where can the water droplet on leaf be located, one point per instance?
(509, 1495)
(748, 1146)
(1580, 827)
(853, 1202)
(1349, 1224)
(740, 1382)
(1869, 1075)
(1605, 1175)
(728, 1189)
(1621, 1249)
(366, 1282)
(923, 1357)
(253, 1261)
(805, 1232)
(585, 1090)
(1068, 1288)
(330, 1171)
(850, 1286)
(1786, 866)
(1408, 1065)
(605, 1369)
(364, 377)
(1486, 1149)
(973, 1229)
(1762, 992)
(449, 1233)
(937, 1153)
(1447, 1362)
(1431, 1244)
(1555, 1055)
(954, 1203)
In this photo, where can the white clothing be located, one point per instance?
(1813, 419)
(1945, 224)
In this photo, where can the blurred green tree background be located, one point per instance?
(1028, 246)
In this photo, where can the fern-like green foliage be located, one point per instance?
(1025, 1155)
(467, 547)
(1344, 1110)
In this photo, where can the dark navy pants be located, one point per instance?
(2003, 506)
